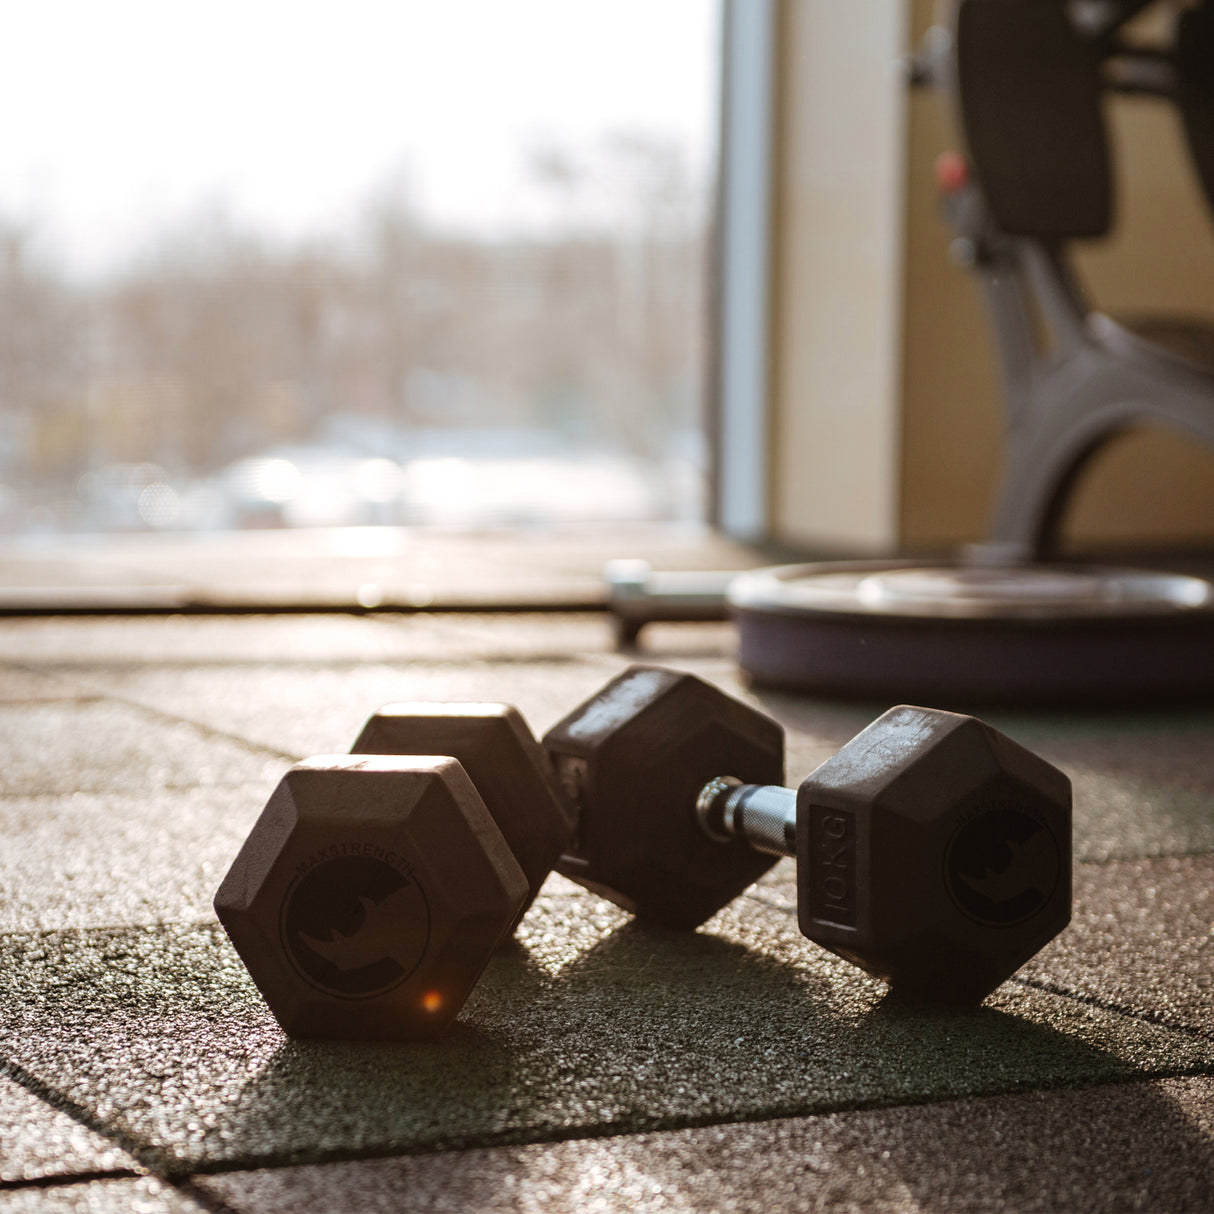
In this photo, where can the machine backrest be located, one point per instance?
(1195, 89)
(1029, 90)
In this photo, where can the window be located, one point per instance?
(264, 264)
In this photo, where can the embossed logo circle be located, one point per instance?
(1002, 866)
(355, 924)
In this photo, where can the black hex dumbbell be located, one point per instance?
(932, 851)
(375, 886)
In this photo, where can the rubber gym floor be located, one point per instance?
(599, 1065)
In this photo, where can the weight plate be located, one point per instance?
(977, 634)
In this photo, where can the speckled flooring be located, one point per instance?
(600, 1065)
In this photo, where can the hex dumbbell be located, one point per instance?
(932, 851)
(375, 886)
(373, 889)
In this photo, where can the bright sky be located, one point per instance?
(124, 114)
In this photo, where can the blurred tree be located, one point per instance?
(219, 343)
(43, 355)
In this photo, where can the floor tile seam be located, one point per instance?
(527, 1136)
(474, 657)
(31, 796)
(143, 1152)
(207, 730)
(541, 1136)
(68, 1179)
(50, 701)
(207, 1201)
(211, 1202)
(104, 695)
(1178, 854)
(491, 618)
(1142, 1015)
(296, 604)
(91, 667)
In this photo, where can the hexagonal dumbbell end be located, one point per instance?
(370, 895)
(932, 851)
(632, 759)
(935, 853)
(497, 749)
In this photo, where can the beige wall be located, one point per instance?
(837, 274)
(951, 422)
(887, 418)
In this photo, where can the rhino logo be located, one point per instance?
(379, 938)
(1002, 866)
(1029, 866)
(355, 926)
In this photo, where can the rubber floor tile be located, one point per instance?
(305, 711)
(41, 1141)
(99, 746)
(590, 1025)
(1143, 781)
(494, 636)
(26, 686)
(116, 643)
(113, 859)
(1143, 1147)
(316, 710)
(60, 643)
(1142, 939)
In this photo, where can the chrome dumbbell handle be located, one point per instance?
(765, 815)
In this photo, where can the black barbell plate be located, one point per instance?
(947, 633)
